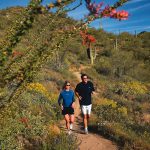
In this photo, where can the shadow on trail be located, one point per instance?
(103, 132)
(74, 130)
(77, 126)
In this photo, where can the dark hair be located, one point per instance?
(66, 82)
(83, 75)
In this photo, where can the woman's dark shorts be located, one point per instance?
(68, 110)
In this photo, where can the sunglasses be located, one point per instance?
(68, 85)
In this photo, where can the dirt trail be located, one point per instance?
(90, 141)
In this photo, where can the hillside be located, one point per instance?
(120, 74)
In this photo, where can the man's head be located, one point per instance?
(84, 78)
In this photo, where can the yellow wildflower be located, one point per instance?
(38, 88)
(134, 87)
(123, 110)
(108, 102)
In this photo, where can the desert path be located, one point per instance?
(90, 141)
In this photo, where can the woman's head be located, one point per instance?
(66, 85)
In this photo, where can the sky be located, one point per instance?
(139, 15)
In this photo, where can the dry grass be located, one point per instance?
(146, 118)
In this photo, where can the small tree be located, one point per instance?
(31, 61)
(88, 40)
(96, 12)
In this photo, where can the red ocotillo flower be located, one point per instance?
(87, 38)
(16, 54)
(108, 11)
(24, 120)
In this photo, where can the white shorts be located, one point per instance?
(86, 109)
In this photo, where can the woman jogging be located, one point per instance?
(66, 102)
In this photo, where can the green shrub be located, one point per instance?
(103, 66)
(60, 142)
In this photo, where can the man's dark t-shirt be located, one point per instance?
(84, 90)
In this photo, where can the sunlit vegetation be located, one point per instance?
(38, 48)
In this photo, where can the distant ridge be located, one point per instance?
(143, 32)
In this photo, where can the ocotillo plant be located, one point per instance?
(18, 68)
(88, 40)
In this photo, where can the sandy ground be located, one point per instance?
(89, 141)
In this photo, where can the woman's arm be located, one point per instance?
(73, 101)
(60, 101)
(73, 105)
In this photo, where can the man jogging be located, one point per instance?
(83, 91)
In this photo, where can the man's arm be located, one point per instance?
(93, 92)
(78, 96)
(77, 89)
(93, 89)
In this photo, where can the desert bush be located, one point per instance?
(103, 66)
(109, 110)
(116, 122)
(60, 142)
(25, 124)
(130, 90)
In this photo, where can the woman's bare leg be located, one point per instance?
(72, 119)
(67, 119)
